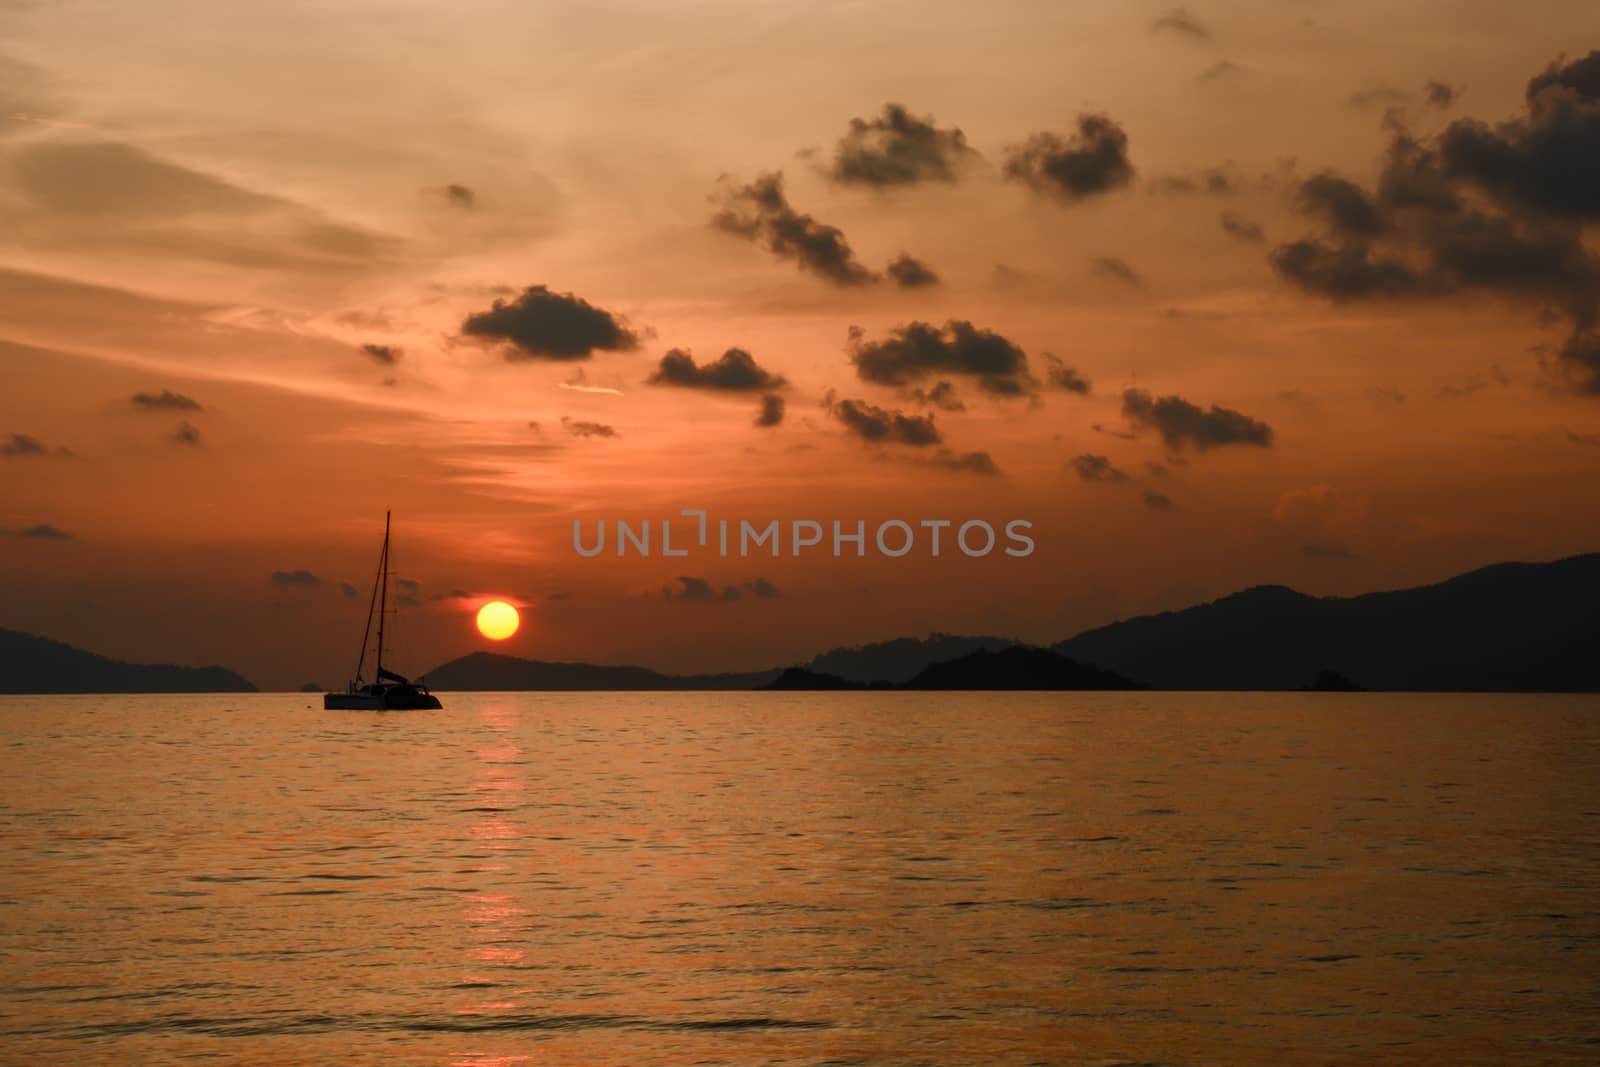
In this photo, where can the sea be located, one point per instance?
(801, 878)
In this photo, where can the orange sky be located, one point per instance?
(226, 203)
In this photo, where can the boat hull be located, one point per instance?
(389, 698)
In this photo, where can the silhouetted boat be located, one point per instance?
(388, 691)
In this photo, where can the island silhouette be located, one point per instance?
(1510, 627)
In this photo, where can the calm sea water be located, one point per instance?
(801, 879)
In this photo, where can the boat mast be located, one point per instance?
(383, 592)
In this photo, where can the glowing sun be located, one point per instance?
(498, 620)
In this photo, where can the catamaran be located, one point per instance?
(387, 691)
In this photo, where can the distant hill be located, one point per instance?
(900, 660)
(1512, 627)
(1016, 667)
(30, 664)
(491, 672)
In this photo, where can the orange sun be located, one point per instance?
(498, 620)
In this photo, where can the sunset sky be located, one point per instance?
(1221, 295)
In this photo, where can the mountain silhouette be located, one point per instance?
(1512, 627)
(900, 660)
(492, 672)
(30, 664)
(1015, 667)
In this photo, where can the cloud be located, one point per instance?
(1214, 181)
(1157, 501)
(1222, 70)
(761, 213)
(1495, 209)
(1440, 95)
(582, 428)
(1379, 97)
(1237, 226)
(1117, 270)
(26, 446)
(897, 148)
(1092, 162)
(388, 355)
(1320, 508)
(541, 324)
(1095, 468)
(579, 383)
(454, 594)
(186, 434)
(909, 273)
(941, 396)
(461, 196)
(350, 592)
(882, 426)
(88, 180)
(772, 409)
(1181, 423)
(969, 462)
(42, 532)
(294, 578)
(690, 588)
(734, 371)
(918, 350)
(166, 400)
(1181, 22)
(1058, 375)
(1325, 552)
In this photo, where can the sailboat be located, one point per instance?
(387, 691)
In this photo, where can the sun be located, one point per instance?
(498, 620)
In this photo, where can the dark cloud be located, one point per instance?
(918, 350)
(350, 592)
(969, 462)
(541, 324)
(1496, 209)
(1181, 22)
(1440, 95)
(22, 445)
(294, 578)
(772, 410)
(1060, 376)
(1156, 470)
(1092, 162)
(1157, 501)
(1214, 181)
(461, 196)
(388, 355)
(454, 594)
(690, 588)
(1346, 207)
(909, 273)
(582, 428)
(1322, 552)
(897, 148)
(166, 400)
(42, 532)
(1117, 270)
(1237, 226)
(882, 426)
(186, 434)
(734, 371)
(408, 585)
(760, 212)
(1095, 468)
(1181, 423)
(941, 396)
